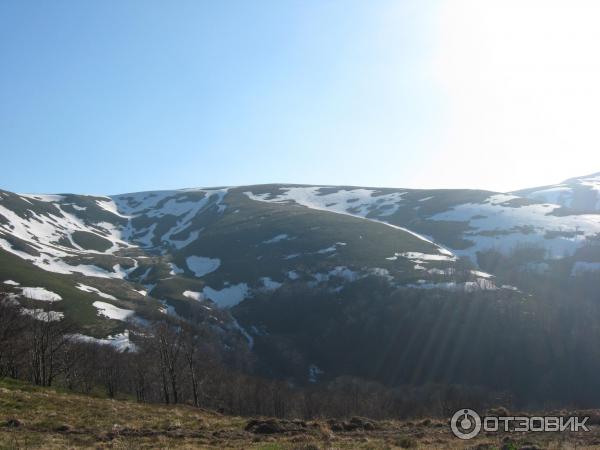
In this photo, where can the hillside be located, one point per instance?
(575, 195)
(158, 251)
(321, 281)
(33, 417)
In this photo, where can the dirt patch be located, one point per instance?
(278, 426)
(354, 424)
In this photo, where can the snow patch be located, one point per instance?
(276, 239)
(174, 269)
(49, 198)
(228, 296)
(480, 284)
(53, 263)
(91, 289)
(326, 250)
(247, 335)
(495, 225)
(380, 272)
(44, 316)
(343, 272)
(293, 275)
(193, 295)
(201, 265)
(269, 284)
(421, 257)
(41, 294)
(481, 274)
(121, 342)
(111, 311)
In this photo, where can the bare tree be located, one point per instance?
(110, 369)
(190, 344)
(169, 343)
(12, 325)
(46, 340)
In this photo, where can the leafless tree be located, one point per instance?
(169, 344)
(46, 339)
(12, 325)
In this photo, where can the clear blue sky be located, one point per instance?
(120, 96)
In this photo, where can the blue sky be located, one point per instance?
(122, 96)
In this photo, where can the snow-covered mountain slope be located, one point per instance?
(127, 257)
(161, 251)
(466, 222)
(84, 250)
(580, 194)
(55, 231)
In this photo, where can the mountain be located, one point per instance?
(576, 195)
(214, 246)
(466, 221)
(315, 280)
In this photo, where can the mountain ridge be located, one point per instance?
(234, 254)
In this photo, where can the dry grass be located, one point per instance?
(32, 418)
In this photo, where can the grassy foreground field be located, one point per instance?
(32, 417)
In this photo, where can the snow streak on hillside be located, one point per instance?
(499, 225)
(43, 229)
(185, 205)
(362, 203)
(580, 194)
(500, 221)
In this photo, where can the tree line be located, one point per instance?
(182, 362)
